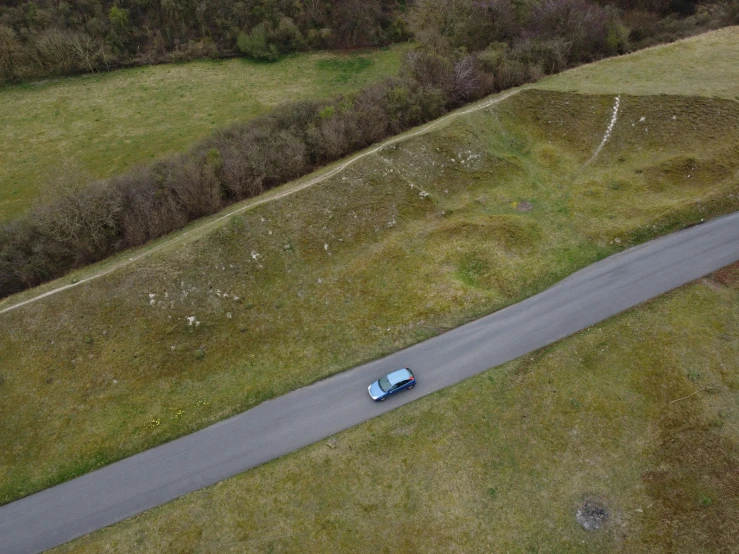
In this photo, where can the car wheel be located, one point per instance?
(409, 388)
(382, 399)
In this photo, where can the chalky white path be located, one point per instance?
(310, 414)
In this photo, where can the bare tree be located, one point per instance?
(469, 81)
(88, 51)
(53, 52)
(195, 187)
(79, 213)
(11, 55)
(357, 21)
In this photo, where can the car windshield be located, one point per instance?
(384, 384)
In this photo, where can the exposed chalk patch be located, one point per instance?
(609, 130)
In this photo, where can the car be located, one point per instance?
(398, 380)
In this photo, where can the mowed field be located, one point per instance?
(109, 122)
(637, 417)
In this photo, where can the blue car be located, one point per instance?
(401, 379)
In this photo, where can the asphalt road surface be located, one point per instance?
(307, 415)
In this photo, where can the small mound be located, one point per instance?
(687, 171)
(512, 232)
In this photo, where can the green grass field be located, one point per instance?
(503, 461)
(107, 123)
(704, 65)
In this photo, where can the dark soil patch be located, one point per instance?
(728, 276)
(592, 515)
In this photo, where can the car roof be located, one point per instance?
(399, 375)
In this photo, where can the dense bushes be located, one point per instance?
(41, 38)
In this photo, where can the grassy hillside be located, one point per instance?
(637, 414)
(422, 236)
(704, 65)
(109, 122)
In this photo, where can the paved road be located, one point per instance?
(302, 417)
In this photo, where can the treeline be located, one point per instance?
(467, 49)
(40, 38)
(50, 37)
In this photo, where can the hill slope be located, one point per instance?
(631, 425)
(704, 65)
(421, 236)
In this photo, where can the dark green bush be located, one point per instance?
(254, 44)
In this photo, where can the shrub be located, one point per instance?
(151, 209)
(579, 22)
(81, 216)
(550, 55)
(254, 44)
(288, 37)
(429, 69)
(641, 25)
(12, 57)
